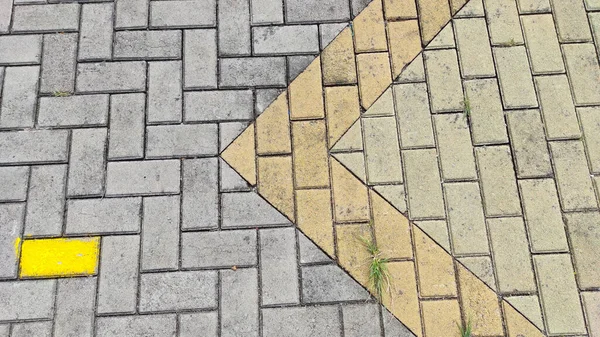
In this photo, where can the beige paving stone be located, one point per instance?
(403, 301)
(498, 182)
(512, 259)
(343, 109)
(351, 252)
(465, 218)
(487, 117)
(591, 305)
(355, 162)
(369, 29)
(433, 15)
(557, 107)
(383, 106)
(315, 218)
(435, 267)
(391, 229)
(528, 305)
(474, 51)
(382, 150)
(584, 232)
(542, 44)
(482, 267)
(473, 8)
(595, 24)
(275, 183)
(575, 186)
(590, 123)
(241, 154)
(454, 145)
(444, 39)
(558, 294)
(337, 60)
(571, 21)
(543, 217)
(400, 9)
(394, 194)
(480, 305)
(404, 42)
(310, 154)
(440, 317)
(423, 184)
(528, 143)
(374, 76)
(306, 93)
(414, 118)
(437, 230)
(273, 128)
(414, 71)
(517, 325)
(351, 140)
(592, 5)
(456, 5)
(534, 6)
(444, 82)
(514, 75)
(503, 22)
(349, 195)
(584, 72)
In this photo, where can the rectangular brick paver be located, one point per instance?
(557, 107)
(443, 79)
(126, 132)
(252, 71)
(234, 27)
(382, 150)
(14, 183)
(167, 141)
(207, 322)
(583, 70)
(218, 249)
(503, 21)
(164, 91)
(474, 51)
(542, 44)
(584, 232)
(139, 178)
(33, 146)
(423, 182)
(183, 13)
(571, 22)
(19, 97)
(279, 269)
(590, 123)
(412, 112)
(514, 75)
(200, 58)
(11, 216)
(45, 206)
(96, 36)
(298, 39)
(487, 115)
(200, 198)
(178, 291)
(111, 76)
(131, 13)
(75, 304)
(103, 215)
(146, 325)
(498, 181)
(87, 162)
(529, 144)
(20, 49)
(73, 111)
(219, 105)
(153, 44)
(465, 218)
(454, 144)
(27, 299)
(160, 233)
(58, 67)
(239, 303)
(46, 18)
(325, 321)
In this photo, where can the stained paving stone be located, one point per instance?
(542, 44)
(310, 252)
(58, 67)
(382, 150)
(571, 22)
(529, 144)
(234, 27)
(20, 49)
(591, 303)
(160, 233)
(395, 194)
(302, 321)
(533, 6)
(330, 10)
(285, 40)
(529, 306)
(199, 194)
(585, 236)
(455, 152)
(22, 300)
(444, 39)
(146, 325)
(46, 18)
(516, 83)
(164, 92)
(279, 270)
(498, 183)
(557, 107)
(443, 79)
(423, 184)
(239, 303)
(154, 44)
(219, 249)
(482, 267)
(583, 70)
(178, 291)
(33, 146)
(252, 72)
(487, 116)
(590, 123)
(207, 322)
(474, 52)
(126, 132)
(504, 25)
(266, 11)
(466, 219)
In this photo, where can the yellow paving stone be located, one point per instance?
(457, 5)
(337, 60)
(517, 325)
(392, 230)
(441, 318)
(433, 15)
(306, 93)
(314, 217)
(241, 153)
(275, 183)
(374, 76)
(273, 128)
(59, 257)
(480, 305)
(405, 44)
(349, 195)
(434, 266)
(369, 29)
(400, 9)
(352, 254)
(351, 140)
(403, 301)
(310, 154)
(343, 109)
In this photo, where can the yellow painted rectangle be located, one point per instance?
(59, 257)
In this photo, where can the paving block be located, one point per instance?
(591, 303)
(183, 13)
(151, 44)
(474, 52)
(207, 322)
(297, 11)
(534, 6)
(542, 44)
(310, 252)
(361, 320)
(454, 145)
(298, 39)
(503, 22)
(571, 21)
(220, 105)
(382, 151)
(583, 70)
(20, 49)
(111, 76)
(33, 146)
(145, 177)
(443, 79)
(22, 300)
(12, 216)
(435, 267)
(350, 195)
(73, 111)
(301, 321)
(315, 217)
(437, 230)
(528, 306)
(514, 75)
(131, 14)
(374, 76)
(239, 303)
(5, 17)
(558, 111)
(433, 14)
(322, 284)
(200, 58)
(590, 123)
(343, 109)
(118, 279)
(58, 67)
(234, 27)
(264, 98)
(528, 144)
(87, 162)
(444, 39)
(423, 184)
(482, 267)
(585, 242)
(279, 266)
(45, 202)
(164, 92)
(126, 132)
(252, 72)
(338, 60)
(218, 249)
(413, 72)
(466, 219)
(358, 6)
(266, 11)
(168, 141)
(46, 18)
(141, 325)
(306, 94)
(41, 329)
(228, 132)
(487, 116)
(19, 97)
(178, 290)
(439, 317)
(160, 233)
(14, 181)
(309, 139)
(69, 257)
(275, 183)
(200, 198)
(106, 215)
(412, 112)
(75, 304)
(96, 36)
(400, 9)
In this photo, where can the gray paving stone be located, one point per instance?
(590, 123)
(191, 324)
(358, 6)
(295, 39)
(131, 13)
(20, 49)
(45, 202)
(503, 22)
(111, 76)
(253, 72)
(382, 150)
(179, 290)
(228, 132)
(106, 215)
(219, 105)
(266, 11)
(127, 130)
(160, 233)
(583, 70)
(361, 320)
(218, 249)
(118, 278)
(423, 184)
(309, 252)
(96, 36)
(58, 66)
(33, 146)
(514, 75)
(571, 21)
(137, 326)
(533, 6)
(474, 51)
(542, 44)
(392, 326)
(466, 221)
(248, 209)
(164, 91)
(19, 97)
(234, 27)
(328, 32)
(14, 183)
(264, 98)
(297, 64)
(528, 144)
(38, 329)
(200, 194)
(167, 141)
(317, 10)
(143, 177)
(11, 216)
(443, 79)
(230, 180)
(321, 321)
(5, 330)
(33, 299)
(585, 240)
(5, 15)
(558, 111)
(239, 303)
(87, 162)
(278, 266)
(46, 18)
(149, 44)
(454, 146)
(199, 58)
(75, 304)
(183, 13)
(73, 111)
(329, 283)
(498, 181)
(413, 114)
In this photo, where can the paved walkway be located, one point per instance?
(462, 137)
